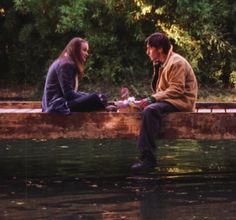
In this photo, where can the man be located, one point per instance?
(174, 88)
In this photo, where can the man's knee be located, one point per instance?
(151, 111)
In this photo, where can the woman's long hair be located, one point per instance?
(73, 50)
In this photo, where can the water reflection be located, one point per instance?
(74, 179)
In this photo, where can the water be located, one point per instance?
(74, 179)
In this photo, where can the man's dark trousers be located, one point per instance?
(151, 124)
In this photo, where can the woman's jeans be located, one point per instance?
(87, 102)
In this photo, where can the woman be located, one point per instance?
(60, 91)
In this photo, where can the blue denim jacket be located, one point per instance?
(59, 86)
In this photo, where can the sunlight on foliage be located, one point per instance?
(233, 78)
(183, 40)
(218, 42)
(160, 10)
(145, 9)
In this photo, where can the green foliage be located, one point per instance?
(209, 26)
(35, 31)
(71, 18)
(200, 30)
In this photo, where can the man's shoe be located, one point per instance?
(144, 165)
(147, 161)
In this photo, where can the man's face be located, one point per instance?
(153, 53)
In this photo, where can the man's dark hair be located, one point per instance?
(159, 40)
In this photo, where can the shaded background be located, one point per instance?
(34, 32)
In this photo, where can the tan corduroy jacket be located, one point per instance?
(177, 83)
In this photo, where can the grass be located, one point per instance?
(207, 93)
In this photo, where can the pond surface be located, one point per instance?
(74, 179)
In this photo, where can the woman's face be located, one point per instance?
(84, 51)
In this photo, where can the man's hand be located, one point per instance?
(146, 101)
(143, 103)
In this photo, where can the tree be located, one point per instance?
(35, 31)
